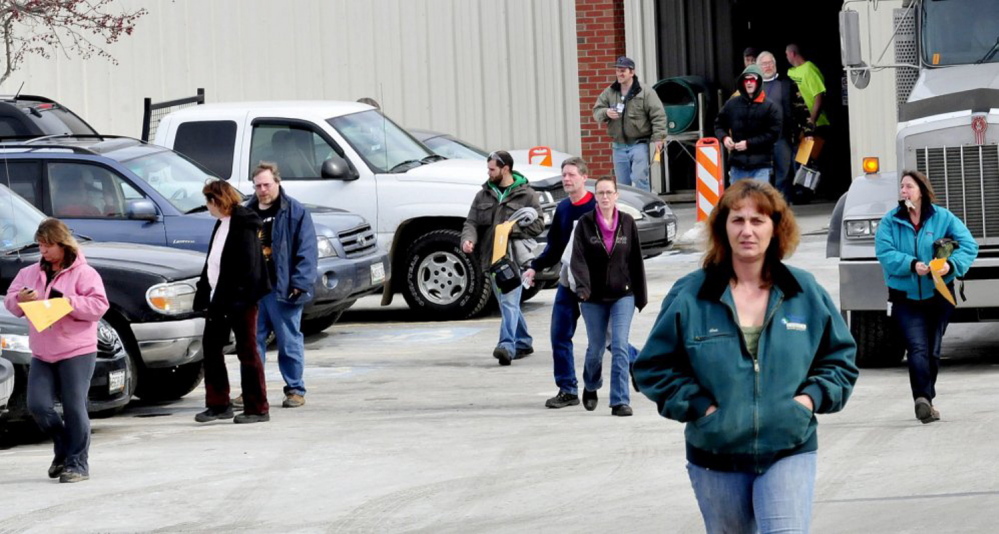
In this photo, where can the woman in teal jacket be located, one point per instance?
(746, 351)
(905, 247)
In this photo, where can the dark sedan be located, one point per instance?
(110, 387)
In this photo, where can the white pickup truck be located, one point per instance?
(348, 155)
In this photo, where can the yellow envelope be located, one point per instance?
(935, 267)
(43, 313)
(804, 150)
(500, 239)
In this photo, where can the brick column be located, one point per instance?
(599, 41)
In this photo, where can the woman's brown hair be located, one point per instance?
(222, 195)
(925, 187)
(769, 202)
(52, 231)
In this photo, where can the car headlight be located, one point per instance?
(173, 298)
(862, 229)
(326, 249)
(631, 210)
(14, 343)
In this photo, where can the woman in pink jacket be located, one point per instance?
(64, 354)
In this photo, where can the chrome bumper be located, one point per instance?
(169, 343)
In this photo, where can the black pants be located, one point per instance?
(69, 380)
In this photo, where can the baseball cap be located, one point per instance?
(624, 63)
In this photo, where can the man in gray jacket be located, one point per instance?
(501, 196)
(634, 116)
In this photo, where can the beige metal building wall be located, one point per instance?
(873, 113)
(498, 73)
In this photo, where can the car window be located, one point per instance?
(210, 143)
(85, 191)
(25, 179)
(451, 149)
(11, 127)
(380, 142)
(18, 219)
(298, 152)
(172, 175)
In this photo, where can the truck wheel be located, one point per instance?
(441, 280)
(169, 383)
(315, 325)
(878, 341)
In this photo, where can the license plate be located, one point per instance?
(377, 273)
(116, 381)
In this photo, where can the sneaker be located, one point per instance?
(211, 414)
(621, 410)
(589, 400)
(293, 400)
(525, 352)
(562, 400)
(237, 402)
(502, 355)
(56, 468)
(251, 418)
(925, 411)
(68, 477)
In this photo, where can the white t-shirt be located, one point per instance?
(215, 254)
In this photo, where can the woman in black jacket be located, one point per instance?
(608, 275)
(233, 280)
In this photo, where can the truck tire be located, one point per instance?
(170, 383)
(442, 282)
(878, 341)
(315, 325)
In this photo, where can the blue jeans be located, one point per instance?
(513, 335)
(565, 315)
(69, 380)
(922, 324)
(285, 320)
(783, 179)
(779, 500)
(598, 316)
(631, 164)
(762, 174)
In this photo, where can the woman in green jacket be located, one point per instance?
(746, 351)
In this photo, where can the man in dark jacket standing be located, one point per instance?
(505, 193)
(795, 120)
(634, 116)
(748, 126)
(290, 253)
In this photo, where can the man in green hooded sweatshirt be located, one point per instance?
(749, 125)
(505, 193)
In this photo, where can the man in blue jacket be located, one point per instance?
(290, 253)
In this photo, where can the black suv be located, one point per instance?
(30, 116)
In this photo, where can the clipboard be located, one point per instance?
(44, 313)
(500, 239)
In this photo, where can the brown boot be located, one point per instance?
(925, 411)
(293, 400)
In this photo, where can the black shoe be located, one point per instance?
(523, 353)
(56, 468)
(502, 355)
(251, 418)
(925, 411)
(589, 400)
(68, 477)
(211, 414)
(562, 400)
(622, 410)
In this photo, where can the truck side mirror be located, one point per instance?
(849, 38)
(336, 168)
(141, 210)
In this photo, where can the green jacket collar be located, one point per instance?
(518, 181)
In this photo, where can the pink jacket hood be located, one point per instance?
(76, 333)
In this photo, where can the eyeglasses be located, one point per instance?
(605, 193)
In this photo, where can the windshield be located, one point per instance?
(960, 32)
(172, 176)
(380, 142)
(454, 149)
(19, 221)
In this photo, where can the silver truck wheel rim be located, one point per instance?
(442, 278)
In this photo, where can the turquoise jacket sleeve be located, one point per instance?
(662, 371)
(966, 252)
(893, 261)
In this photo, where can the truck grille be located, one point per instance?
(966, 181)
(359, 241)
